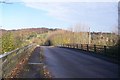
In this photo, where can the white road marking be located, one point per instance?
(35, 63)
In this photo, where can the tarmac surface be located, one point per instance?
(33, 67)
(67, 63)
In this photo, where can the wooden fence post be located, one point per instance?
(81, 46)
(87, 47)
(94, 48)
(77, 46)
(104, 49)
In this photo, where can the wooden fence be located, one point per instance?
(110, 51)
(9, 60)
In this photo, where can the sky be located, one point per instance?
(101, 16)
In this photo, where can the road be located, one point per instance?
(66, 63)
(33, 67)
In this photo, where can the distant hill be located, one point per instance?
(29, 30)
(36, 30)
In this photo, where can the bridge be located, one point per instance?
(63, 61)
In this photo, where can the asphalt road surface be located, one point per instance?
(66, 63)
(33, 67)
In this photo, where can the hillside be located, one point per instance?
(12, 39)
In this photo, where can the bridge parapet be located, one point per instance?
(9, 60)
(109, 51)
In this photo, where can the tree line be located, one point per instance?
(80, 34)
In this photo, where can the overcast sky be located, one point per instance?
(99, 16)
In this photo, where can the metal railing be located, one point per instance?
(110, 51)
(9, 60)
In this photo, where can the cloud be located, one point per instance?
(70, 0)
(73, 12)
(61, 11)
(93, 14)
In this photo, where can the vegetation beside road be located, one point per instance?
(94, 38)
(12, 39)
